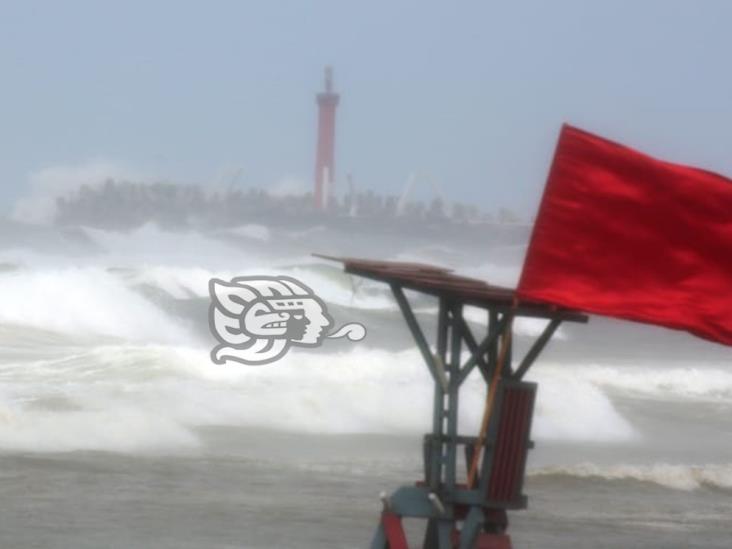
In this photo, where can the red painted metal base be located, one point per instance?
(394, 531)
(397, 539)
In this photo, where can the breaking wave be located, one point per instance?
(99, 398)
(573, 409)
(692, 383)
(81, 302)
(252, 231)
(95, 355)
(150, 245)
(678, 477)
(710, 383)
(327, 281)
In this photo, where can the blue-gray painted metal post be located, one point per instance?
(443, 328)
(486, 346)
(413, 325)
(456, 338)
(493, 330)
(536, 348)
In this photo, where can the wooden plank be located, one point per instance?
(442, 283)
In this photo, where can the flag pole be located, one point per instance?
(490, 399)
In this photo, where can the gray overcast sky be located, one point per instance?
(472, 93)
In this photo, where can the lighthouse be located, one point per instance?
(325, 152)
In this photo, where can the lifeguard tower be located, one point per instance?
(469, 512)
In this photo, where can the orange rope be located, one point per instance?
(505, 343)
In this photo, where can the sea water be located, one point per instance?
(117, 430)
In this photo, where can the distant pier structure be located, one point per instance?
(325, 152)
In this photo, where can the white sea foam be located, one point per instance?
(523, 326)
(308, 232)
(360, 391)
(113, 428)
(364, 390)
(179, 282)
(711, 382)
(83, 301)
(679, 477)
(377, 391)
(338, 288)
(253, 231)
(568, 408)
(150, 245)
(330, 284)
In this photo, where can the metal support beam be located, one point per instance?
(493, 328)
(437, 444)
(417, 333)
(456, 339)
(508, 363)
(536, 349)
(481, 349)
(472, 345)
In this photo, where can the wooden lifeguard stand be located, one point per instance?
(465, 513)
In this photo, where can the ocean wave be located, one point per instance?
(150, 245)
(178, 282)
(334, 286)
(252, 231)
(506, 273)
(572, 409)
(693, 383)
(82, 301)
(307, 232)
(522, 326)
(328, 282)
(678, 477)
(711, 383)
(360, 391)
(113, 428)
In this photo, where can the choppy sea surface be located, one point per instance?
(117, 430)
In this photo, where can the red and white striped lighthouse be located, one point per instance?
(325, 153)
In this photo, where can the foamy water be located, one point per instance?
(677, 477)
(104, 357)
(152, 378)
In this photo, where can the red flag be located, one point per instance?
(625, 235)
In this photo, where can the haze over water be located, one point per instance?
(117, 430)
